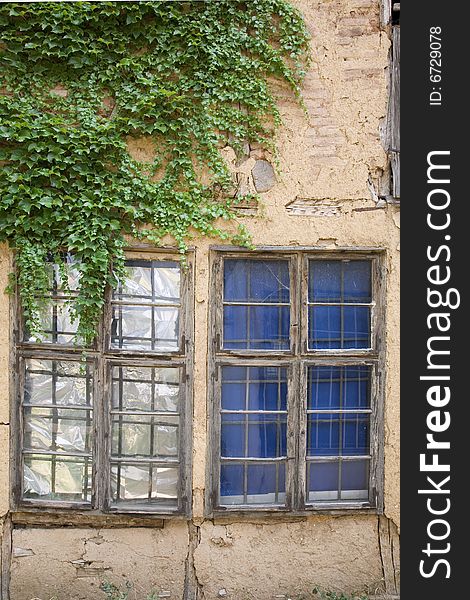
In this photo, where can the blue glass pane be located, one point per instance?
(323, 434)
(262, 479)
(256, 280)
(236, 276)
(268, 373)
(323, 476)
(265, 396)
(234, 374)
(267, 388)
(324, 388)
(267, 435)
(338, 327)
(269, 327)
(356, 387)
(324, 327)
(233, 396)
(236, 327)
(357, 281)
(232, 442)
(231, 480)
(256, 327)
(355, 434)
(324, 283)
(338, 387)
(355, 475)
(339, 281)
(356, 327)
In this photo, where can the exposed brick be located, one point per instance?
(331, 161)
(363, 73)
(323, 151)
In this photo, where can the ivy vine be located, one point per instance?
(80, 80)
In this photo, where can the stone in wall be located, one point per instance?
(264, 177)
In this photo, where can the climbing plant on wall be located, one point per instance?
(80, 80)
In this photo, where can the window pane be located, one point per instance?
(357, 281)
(231, 481)
(57, 429)
(340, 281)
(144, 484)
(71, 272)
(146, 436)
(356, 332)
(233, 438)
(56, 324)
(267, 435)
(145, 388)
(145, 328)
(325, 281)
(253, 325)
(323, 480)
(59, 478)
(266, 482)
(140, 319)
(339, 327)
(253, 435)
(256, 327)
(137, 433)
(259, 432)
(355, 434)
(64, 383)
(338, 480)
(57, 418)
(150, 282)
(355, 479)
(254, 388)
(332, 434)
(252, 483)
(338, 387)
(255, 281)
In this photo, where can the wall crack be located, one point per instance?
(193, 589)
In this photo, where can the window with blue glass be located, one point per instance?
(256, 304)
(338, 428)
(253, 434)
(339, 304)
(296, 393)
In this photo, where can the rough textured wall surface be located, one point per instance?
(71, 563)
(325, 195)
(259, 561)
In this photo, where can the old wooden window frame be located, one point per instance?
(103, 357)
(297, 359)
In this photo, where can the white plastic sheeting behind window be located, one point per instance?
(57, 430)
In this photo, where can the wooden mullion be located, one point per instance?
(395, 112)
(255, 354)
(302, 437)
(54, 352)
(215, 437)
(212, 398)
(186, 388)
(17, 432)
(378, 389)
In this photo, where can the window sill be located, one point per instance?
(280, 514)
(34, 517)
